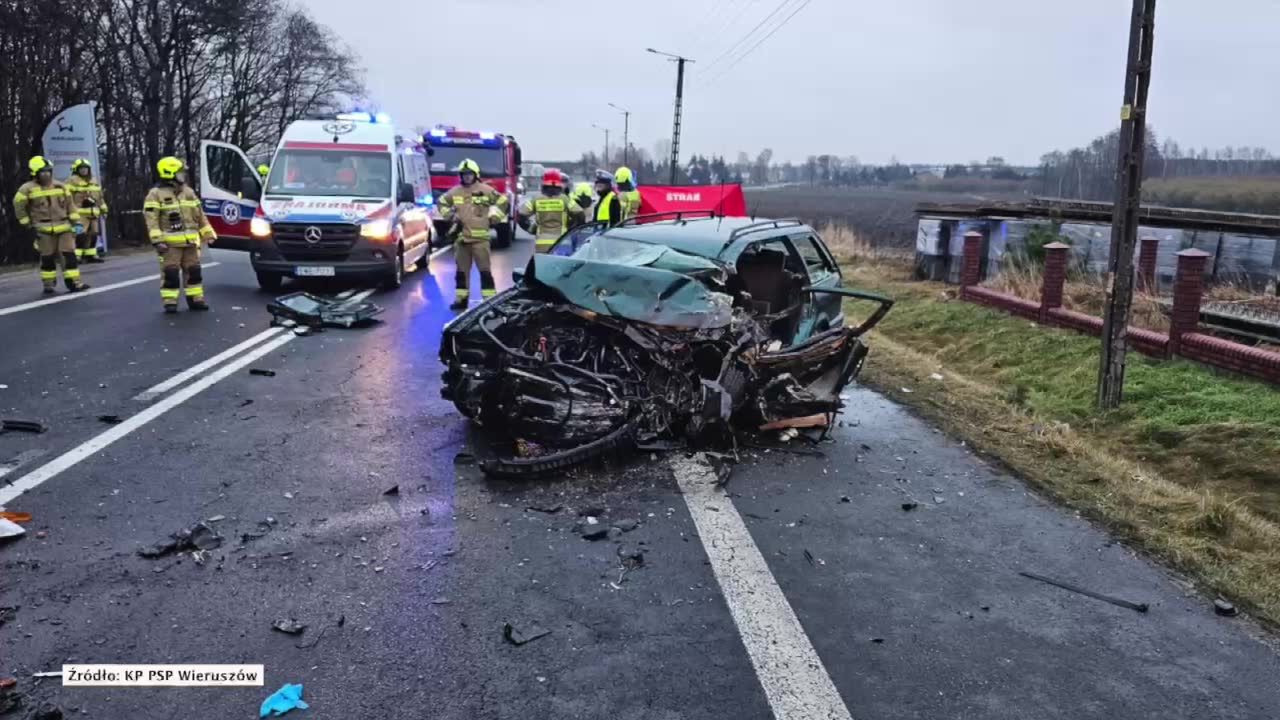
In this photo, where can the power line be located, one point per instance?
(776, 28)
(692, 30)
(747, 36)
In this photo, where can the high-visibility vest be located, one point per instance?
(602, 207)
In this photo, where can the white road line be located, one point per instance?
(63, 462)
(790, 671)
(95, 290)
(156, 390)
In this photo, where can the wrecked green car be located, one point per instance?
(665, 330)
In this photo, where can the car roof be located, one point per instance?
(707, 237)
(356, 133)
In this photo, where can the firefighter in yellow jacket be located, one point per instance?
(43, 206)
(176, 225)
(86, 196)
(471, 206)
(552, 213)
(628, 195)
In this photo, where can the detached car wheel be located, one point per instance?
(270, 282)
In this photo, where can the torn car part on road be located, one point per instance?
(197, 537)
(658, 330)
(314, 311)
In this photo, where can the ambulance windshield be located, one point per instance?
(330, 173)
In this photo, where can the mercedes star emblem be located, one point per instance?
(313, 234)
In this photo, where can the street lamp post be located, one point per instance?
(675, 128)
(626, 133)
(606, 143)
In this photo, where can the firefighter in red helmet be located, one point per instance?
(551, 215)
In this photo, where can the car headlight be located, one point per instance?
(260, 227)
(376, 229)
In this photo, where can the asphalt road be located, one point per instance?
(805, 592)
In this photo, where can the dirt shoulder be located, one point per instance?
(1188, 469)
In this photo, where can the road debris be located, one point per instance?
(261, 372)
(936, 376)
(314, 311)
(547, 509)
(392, 491)
(598, 531)
(289, 626)
(7, 613)
(110, 419)
(630, 557)
(1139, 607)
(1224, 608)
(342, 620)
(910, 505)
(627, 525)
(519, 637)
(197, 537)
(10, 530)
(282, 701)
(48, 711)
(27, 426)
(50, 674)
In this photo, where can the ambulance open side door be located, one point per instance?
(230, 190)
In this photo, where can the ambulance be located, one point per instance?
(346, 196)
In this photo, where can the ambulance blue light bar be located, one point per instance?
(463, 138)
(381, 117)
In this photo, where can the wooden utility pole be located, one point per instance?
(1124, 223)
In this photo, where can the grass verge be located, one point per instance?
(1188, 469)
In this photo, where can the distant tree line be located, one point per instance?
(164, 75)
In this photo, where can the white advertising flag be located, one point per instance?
(73, 134)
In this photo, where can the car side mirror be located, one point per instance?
(405, 194)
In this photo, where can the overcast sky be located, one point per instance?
(920, 80)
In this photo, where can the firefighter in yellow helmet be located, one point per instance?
(608, 207)
(628, 195)
(551, 213)
(44, 207)
(263, 171)
(86, 196)
(469, 205)
(584, 197)
(176, 225)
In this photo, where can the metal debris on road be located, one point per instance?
(289, 626)
(282, 701)
(261, 372)
(27, 426)
(1224, 608)
(909, 506)
(197, 537)
(110, 419)
(1140, 607)
(10, 530)
(314, 311)
(519, 637)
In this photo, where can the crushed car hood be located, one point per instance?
(640, 291)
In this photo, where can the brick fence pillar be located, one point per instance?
(1055, 276)
(1188, 289)
(971, 263)
(1147, 264)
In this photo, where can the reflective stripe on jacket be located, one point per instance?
(552, 215)
(630, 203)
(609, 209)
(46, 208)
(86, 196)
(474, 206)
(174, 215)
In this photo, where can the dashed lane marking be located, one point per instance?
(95, 290)
(85, 450)
(794, 679)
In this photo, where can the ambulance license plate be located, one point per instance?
(314, 271)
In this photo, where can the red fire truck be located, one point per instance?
(497, 155)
